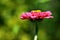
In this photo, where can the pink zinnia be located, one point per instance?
(36, 15)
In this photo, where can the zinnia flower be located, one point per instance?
(37, 14)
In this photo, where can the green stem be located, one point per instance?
(36, 28)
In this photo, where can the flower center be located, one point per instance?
(36, 10)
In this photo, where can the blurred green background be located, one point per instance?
(13, 28)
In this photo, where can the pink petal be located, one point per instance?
(49, 12)
(33, 17)
(49, 17)
(28, 14)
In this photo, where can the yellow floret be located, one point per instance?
(36, 10)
